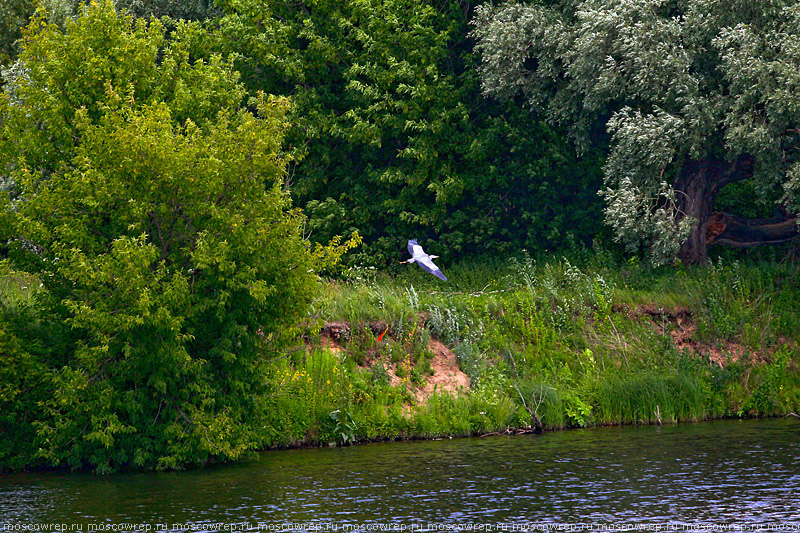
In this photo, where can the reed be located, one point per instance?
(650, 398)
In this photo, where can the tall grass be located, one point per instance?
(566, 339)
(592, 336)
(650, 398)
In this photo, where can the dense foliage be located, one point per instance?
(393, 137)
(696, 95)
(149, 204)
(156, 284)
(13, 15)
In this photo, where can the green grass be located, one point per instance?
(650, 398)
(564, 337)
(17, 289)
(586, 339)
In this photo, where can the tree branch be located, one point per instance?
(745, 233)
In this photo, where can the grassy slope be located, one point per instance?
(579, 343)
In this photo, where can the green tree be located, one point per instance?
(182, 9)
(696, 96)
(60, 11)
(150, 205)
(13, 16)
(392, 135)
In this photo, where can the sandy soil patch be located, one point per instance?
(681, 326)
(446, 376)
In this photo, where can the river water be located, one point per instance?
(739, 475)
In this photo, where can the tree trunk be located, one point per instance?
(696, 189)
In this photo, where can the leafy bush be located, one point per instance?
(393, 136)
(152, 212)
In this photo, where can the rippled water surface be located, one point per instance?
(730, 472)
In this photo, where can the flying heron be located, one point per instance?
(422, 259)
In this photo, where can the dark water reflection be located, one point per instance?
(729, 472)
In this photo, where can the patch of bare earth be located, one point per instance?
(681, 326)
(446, 375)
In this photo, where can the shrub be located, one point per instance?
(151, 210)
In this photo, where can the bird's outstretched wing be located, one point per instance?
(426, 263)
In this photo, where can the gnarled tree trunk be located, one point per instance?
(696, 188)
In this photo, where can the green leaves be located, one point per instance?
(13, 14)
(153, 213)
(389, 132)
(678, 85)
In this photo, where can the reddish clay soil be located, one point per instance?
(679, 324)
(446, 376)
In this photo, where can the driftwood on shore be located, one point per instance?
(512, 431)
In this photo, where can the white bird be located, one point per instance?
(422, 259)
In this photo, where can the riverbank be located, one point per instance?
(555, 344)
(509, 346)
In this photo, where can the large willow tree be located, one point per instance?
(697, 96)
